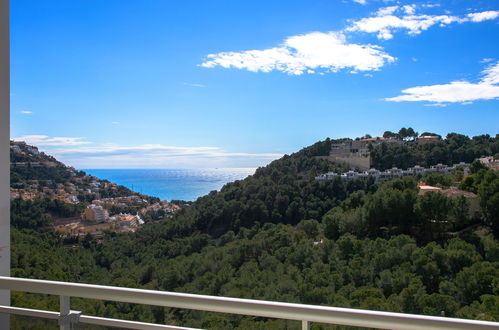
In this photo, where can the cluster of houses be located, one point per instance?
(159, 208)
(26, 151)
(23, 148)
(393, 172)
(67, 192)
(95, 219)
(98, 213)
(119, 223)
(133, 200)
(122, 222)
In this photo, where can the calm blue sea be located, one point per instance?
(168, 184)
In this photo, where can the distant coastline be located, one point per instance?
(172, 184)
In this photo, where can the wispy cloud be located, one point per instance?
(442, 105)
(307, 53)
(487, 60)
(194, 85)
(26, 112)
(44, 140)
(362, 2)
(78, 153)
(386, 21)
(159, 156)
(158, 150)
(464, 92)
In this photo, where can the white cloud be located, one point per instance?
(26, 112)
(483, 16)
(321, 52)
(409, 9)
(491, 75)
(312, 52)
(463, 92)
(386, 21)
(387, 10)
(44, 140)
(362, 2)
(456, 91)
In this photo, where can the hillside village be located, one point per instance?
(106, 206)
(357, 154)
(98, 216)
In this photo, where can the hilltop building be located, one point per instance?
(356, 153)
(425, 139)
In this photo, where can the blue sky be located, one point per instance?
(182, 84)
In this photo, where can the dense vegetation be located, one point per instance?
(280, 235)
(37, 213)
(455, 148)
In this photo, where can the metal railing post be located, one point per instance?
(4, 154)
(305, 325)
(67, 317)
(64, 310)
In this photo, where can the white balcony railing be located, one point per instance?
(304, 313)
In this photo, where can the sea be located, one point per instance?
(169, 184)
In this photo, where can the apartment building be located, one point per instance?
(95, 213)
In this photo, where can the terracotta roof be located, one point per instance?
(424, 189)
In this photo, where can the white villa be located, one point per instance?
(394, 172)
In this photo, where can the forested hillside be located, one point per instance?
(281, 235)
(453, 149)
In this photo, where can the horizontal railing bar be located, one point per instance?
(321, 314)
(125, 324)
(29, 312)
